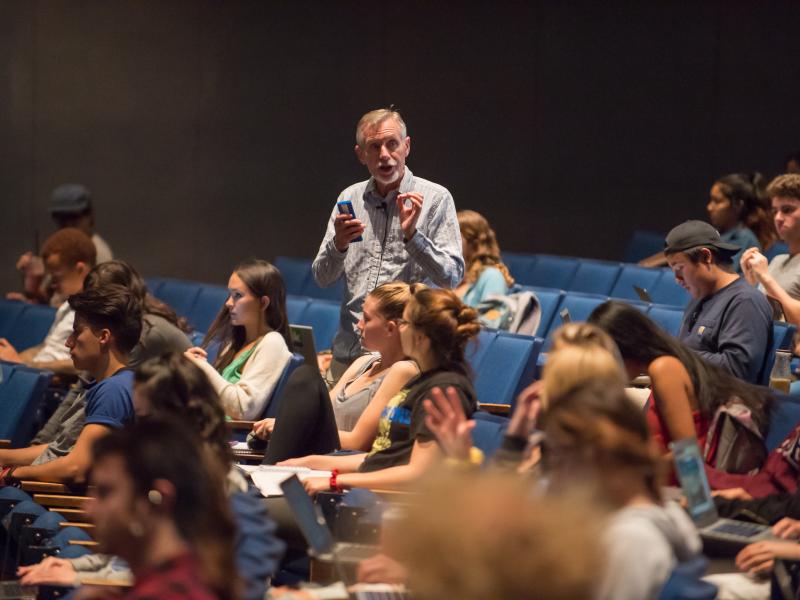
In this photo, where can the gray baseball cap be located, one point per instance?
(70, 199)
(695, 234)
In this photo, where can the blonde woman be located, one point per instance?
(484, 272)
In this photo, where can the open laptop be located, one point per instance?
(13, 590)
(316, 531)
(725, 535)
(303, 343)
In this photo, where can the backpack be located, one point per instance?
(735, 443)
(517, 313)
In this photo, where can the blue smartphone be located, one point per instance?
(346, 208)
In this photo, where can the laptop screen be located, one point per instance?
(692, 476)
(308, 516)
(303, 342)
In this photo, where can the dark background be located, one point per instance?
(211, 131)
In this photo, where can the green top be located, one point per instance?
(233, 372)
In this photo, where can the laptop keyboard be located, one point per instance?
(742, 529)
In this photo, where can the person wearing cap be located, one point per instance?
(70, 206)
(728, 322)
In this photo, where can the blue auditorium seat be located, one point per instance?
(323, 317)
(332, 292)
(580, 306)
(507, 367)
(21, 392)
(180, 295)
(782, 339)
(275, 398)
(551, 272)
(643, 244)
(478, 347)
(295, 308)
(784, 418)
(519, 265)
(154, 284)
(595, 277)
(634, 275)
(669, 318)
(488, 433)
(10, 311)
(31, 327)
(296, 273)
(776, 249)
(668, 291)
(207, 305)
(548, 303)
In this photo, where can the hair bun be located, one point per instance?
(468, 324)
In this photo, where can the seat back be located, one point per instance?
(643, 244)
(296, 307)
(552, 272)
(478, 347)
(31, 326)
(507, 367)
(776, 249)
(323, 317)
(180, 295)
(488, 434)
(631, 275)
(580, 306)
(10, 311)
(595, 277)
(296, 273)
(154, 285)
(273, 404)
(332, 292)
(784, 418)
(667, 291)
(207, 306)
(782, 339)
(21, 392)
(669, 318)
(520, 265)
(548, 304)
(686, 582)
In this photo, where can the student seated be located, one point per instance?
(68, 256)
(70, 206)
(172, 388)
(159, 504)
(107, 325)
(163, 331)
(252, 331)
(484, 271)
(686, 391)
(738, 208)
(780, 279)
(434, 331)
(360, 395)
(727, 323)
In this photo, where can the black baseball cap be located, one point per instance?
(696, 234)
(70, 199)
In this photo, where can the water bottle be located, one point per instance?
(780, 379)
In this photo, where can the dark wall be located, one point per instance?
(211, 131)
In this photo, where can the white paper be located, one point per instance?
(268, 478)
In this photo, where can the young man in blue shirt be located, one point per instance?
(728, 322)
(106, 328)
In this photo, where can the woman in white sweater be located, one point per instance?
(252, 333)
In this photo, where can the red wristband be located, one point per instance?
(333, 483)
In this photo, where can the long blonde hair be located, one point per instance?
(482, 248)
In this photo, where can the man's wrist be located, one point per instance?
(407, 238)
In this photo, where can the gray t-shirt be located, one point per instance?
(785, 269)
(158, 337)
(63, 428)
(348, 408)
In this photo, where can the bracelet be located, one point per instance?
(333, 483)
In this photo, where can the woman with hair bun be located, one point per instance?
(484, 272)
(434, 332)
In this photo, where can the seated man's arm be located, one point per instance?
(15, 457)
(328, 266)
(73, 466)
(64, 367)
(27, 355)
(439, 252)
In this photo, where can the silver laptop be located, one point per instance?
(13, 590)
(303, 343)
(316, 531)
(723, 534)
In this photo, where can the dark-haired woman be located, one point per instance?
(686, 391)
(252, 331)
(434, 331)
(739, 209)
(163, 331)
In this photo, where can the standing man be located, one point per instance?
(408, 227)
(728, 322)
